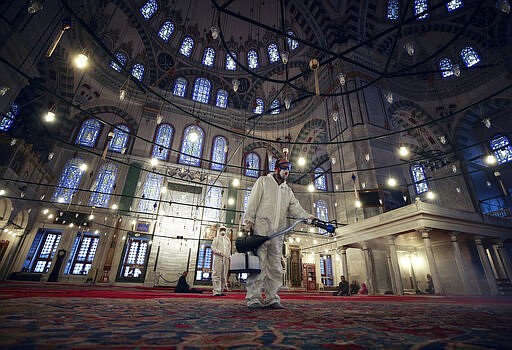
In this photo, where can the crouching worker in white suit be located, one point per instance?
(270, 202)
(221, 248)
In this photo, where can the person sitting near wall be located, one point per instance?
(343, 287)
(354, 287)
(364, 289)
(430, 285)
(183, 287)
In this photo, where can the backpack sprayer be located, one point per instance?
(247, 261)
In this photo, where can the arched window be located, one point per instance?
(149, 9)
(166, 31)
(320, 179)
(292, 43)
(120, 139)
(273, 52)
(151, 193)
(69, 180)
(446, 67)
(192, 146)
(252, 165)
(222, 99)
(419, 178)
(247, 194)
(230, 63)
(393, 9)
(219, 152)
(163, 140)
(453, 5)
(121, 57)
(419, 7)
(322, 212)
(201, 93)
(252, 59)
(186, 46)
(260, 106)
(103, 185)
(272, 164)
(274, 107)
(88, 133)
(209, 57)
(501, 148)
(469, 56)
(213, 200)
(9, 117)
(138, 71)
(180, 87)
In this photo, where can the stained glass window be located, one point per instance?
(272, 163)
(469, 56)
(166, 30)
(326, 270)
(180, 87)
(69, 180)
(273, 52)
(501, 148)
(82, 253)
(274, 107)
(419, 178)
(88, 133)
(393, 9)
(209, 57)
(321, 212)
(138, 71)
(292, 43)
(230, 63)
(252, 165)
(260, 106)
(222, 99)
(453, 5)
(192, 146)
(41, 252)
(9, 117)
(252, 59)
(213, 200)
(320, 180)
(201, 93)
(163, 140)
(103, 185)
(219, 152)
(149, 9)
(247, 194)
(446, 67)
(419, 7)
(204, 262)
(186, 46)
(133, 267)
(121, 57)
(151, 193)
(120, 139)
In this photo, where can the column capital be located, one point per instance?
(341, 249)
(364, 245)
(391, 239)
(424, 231)
(454, 235)
(478, 240)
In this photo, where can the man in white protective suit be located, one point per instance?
(221, 248)
(270, 202)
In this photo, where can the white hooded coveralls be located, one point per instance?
(267, 209)
(221, 248)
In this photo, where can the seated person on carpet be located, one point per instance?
(183, 287)
(343, 287)
(430, 285)
(364, 289)
(354, 287)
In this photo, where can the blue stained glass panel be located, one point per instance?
(138, 71)
(274, 107)
(252, 165)
(201, 93)
(213, 199)
(103, 185)
(320, 180)
(469, 56)
(419, 7)
(180, 87)
(273, 52)
(419, 178)
(10, 116)
(453, 5)
(186, 46)
(446, 67)
(222, 99)
(163, 141)
(166, 30)
(230, 63)
(292, 43)
(192, 146)
(260, 106)
(252, 59)
(501, 148)
(322, 212)
(219, 152)
(121, 57)
(69, 180)
(393, 9)
(209, 57)
(120, 139)
(149, 9)
(272, 164)
(151, 193)
(88, 133)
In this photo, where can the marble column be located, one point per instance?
(344, 262)
(436, 279)
(505, 258)
(369, 268)
(396, 276)
(498, 262)
(491, 280)
(460, 262)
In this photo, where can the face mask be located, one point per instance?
(222, 233)
(284, 174)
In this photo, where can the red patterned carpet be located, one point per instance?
(41, 316)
